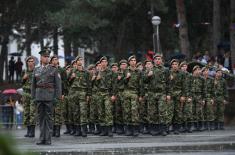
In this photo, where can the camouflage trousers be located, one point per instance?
(197, 108)
(118, 109)
(219, 111)
(130, 108)
(79, 105)
(187, 112)
(105, 109)
(57, 114)
(178, 109)
(65, 110)
(209, 110)
(143, 111)
(29, 110)
(94, 115)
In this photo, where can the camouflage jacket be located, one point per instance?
(220, 87)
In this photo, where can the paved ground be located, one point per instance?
(214, 142)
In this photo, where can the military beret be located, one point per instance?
(28, 58)
(157, 55)
(205, 68)
(147, 60)
(45, 52)
(52, 57)
(114, 64)
(131, 57)
(139, 64)
(122, 61)
(78, 57)
(103, 58)
(97, 63)
(73, 62)
(174, 60)
(218, 69)
(195, 67)
(90, 67)
(183, 63)
(67, 67)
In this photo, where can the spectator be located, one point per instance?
(18, 68)
(227, 61)
(11, 69)
(8, 113)
(19, 114)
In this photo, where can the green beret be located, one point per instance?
(195, 67)
(90, 67)
(97, 63)
(204, 68)
(73, 62)
(174, 60)
(78, 57)
(123, 61)
(45, 52)
(28, 58)
(183, 63)
(103, 58)
(218, 69)
(139, 64)
(67, 67)
(52, 57)
(147, 60)
(114, 64)
(131, 57)
(157, 55)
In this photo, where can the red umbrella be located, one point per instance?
(9, 91)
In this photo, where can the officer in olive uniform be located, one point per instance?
(45, 91)
(29, 108)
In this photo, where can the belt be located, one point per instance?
(45, 86)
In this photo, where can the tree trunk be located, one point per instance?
(28, 38)
(232, 31)
(75, 47)
(183, 29)
(4, 57)
(216, 26)
(67, 46)
(55, 41)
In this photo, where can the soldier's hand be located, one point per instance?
(62, 97)
(168, 98)
(212, 101)
(119, 77)
(140, 99)
(225, 102)
(182, 99)
(128, 75)
(189, 99)
(88, 99)
(25, 76)
(113, 98)
(98, 77)
(93, 78)
(150, 73)
(203, 102)
(73, 75)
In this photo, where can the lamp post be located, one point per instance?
(156, 20)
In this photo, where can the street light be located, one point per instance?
(156, 20)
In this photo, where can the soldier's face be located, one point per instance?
(184, 68)
(158, 60)
(123, 66)
(98, 67)
(205, 72)
(55, 61)
(30, 63)
(175, 65)
(218, 74)
(45, 59)
(132, 62)
(74, 65)
(104, 63)
(148, 65)
(114, 69)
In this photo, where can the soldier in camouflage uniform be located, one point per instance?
(221, 99)
(209, 99)
(197, 89)
(177, 82)
(80, 93)
(29, 107)
(187, 105)
(133, 94)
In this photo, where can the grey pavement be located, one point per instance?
(207, 142)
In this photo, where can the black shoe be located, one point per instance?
(183, 127)
(57, 133)
(97, 130)
(216, 125)
(135, 129)
(110, 133)
(128, 130)
(146, 129)
(47, 143)
(28, 130)
(91, 128)
(73, 130)
(77, 130)
(206, 125)
(32, 131)
(42, 142)
(176, 129)
(189, 127)
(119, 129)
(84, 130)
(200, 126)
(104, 131)
(221, 125)
(163, 128)
(141, 128)
(155, 129)
(54, 131)
(67, 129)
(212, 126)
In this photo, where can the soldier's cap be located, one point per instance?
(218, 69)
(103, 58)
(67, 67)
(139, 64)
(123, 61)
(52, 57)
(183, 63)
(147, 60)
(174, 60)
(195, 67)
(78, 58)
(28, 58)
(131, 57)
(157, 55)
(73, 62)
(45, 52)
(97, 63)
(114, 64)
(90, 67)
(204, 68)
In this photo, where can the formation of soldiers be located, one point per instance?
(128, 98)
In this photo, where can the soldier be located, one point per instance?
(197, 88)
(29, 108)
(177, 82)
(209, 99)
(133, 94)
(187, 105)
(106, 98)
(221, 99)
(45, 91)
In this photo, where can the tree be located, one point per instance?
(216, 26)
(232, 31)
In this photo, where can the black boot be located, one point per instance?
(183, 127)
(200, 126)
(146, 129)
(104, 131)
(67, 129)
(28, 130)
(119, 129)
(32, 131)
(163, 128)
(206, 125)
(57, 133)
(195, 126)
(110, 133)
(92, 128)
(216, 125)
(135, 129)
(72, 130)
(84, 130)
(155, 129)
(221, 125)
(189, 127)
(98, 130)
(141, 128)
(212, 126)
(128, 130)
(77, 130)
(53, 131)
(176, 128)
